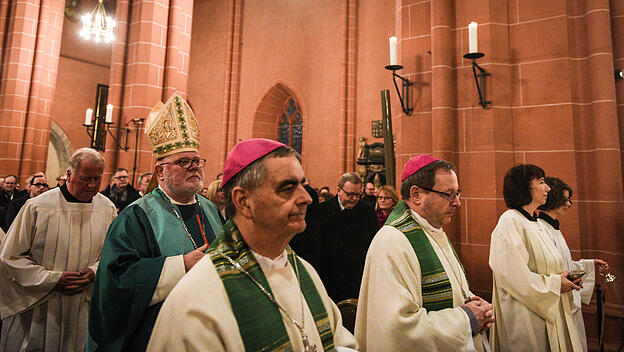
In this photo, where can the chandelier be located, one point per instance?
(98, 25)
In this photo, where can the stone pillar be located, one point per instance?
(30, 52)
(178, 46)
(149, 62)
(232, 78)
(348, 82)
(443, 81)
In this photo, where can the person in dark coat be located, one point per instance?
(347, 227)
(8, 193)
(369, 194)
(307, 244)
(120, 192)
(38, 184)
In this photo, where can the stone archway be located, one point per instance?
(271, 107)
(59, 151)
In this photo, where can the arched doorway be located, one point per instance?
(59, 151)
(279, 116)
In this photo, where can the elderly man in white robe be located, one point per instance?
(414, 294)
(251, 292)
(48, 260)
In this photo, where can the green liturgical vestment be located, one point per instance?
(122, 311)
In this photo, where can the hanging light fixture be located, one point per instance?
(98, 25)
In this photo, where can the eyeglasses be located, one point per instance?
(449, 196)
(351, 195)
(38, 184)
(187, 163)
(569, 199)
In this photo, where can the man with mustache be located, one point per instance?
(252, 292)
(414, 294)
(156, 240)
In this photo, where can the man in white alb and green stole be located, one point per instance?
(252, 292)
(414, 294)
(157, 239)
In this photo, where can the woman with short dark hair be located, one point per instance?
(558, 202)
(531, 292)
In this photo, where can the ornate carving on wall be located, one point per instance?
(370, 161)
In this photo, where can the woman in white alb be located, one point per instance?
(558, 203)
(531, 293)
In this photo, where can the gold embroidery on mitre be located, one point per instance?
(193, 126)
(172, 127)
(165, 131)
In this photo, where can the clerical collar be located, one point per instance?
(425, 224)
(340, 204)
(279, 262)
(69, 197)
(552, 222)
(173, 201)
(526, 214)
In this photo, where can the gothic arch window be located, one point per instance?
(290, 125)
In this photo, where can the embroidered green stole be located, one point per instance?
(437, 293)
(259, 320)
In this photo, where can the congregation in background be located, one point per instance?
(258, 259)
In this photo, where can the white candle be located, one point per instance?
(472, 37)
(393, 51)
(109, 113)
(88, 116)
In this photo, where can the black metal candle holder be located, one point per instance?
(479, 77)
(405, 84)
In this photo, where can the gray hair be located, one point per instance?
(252, 177)
(143, 175)
(87, 154)
(349, 177)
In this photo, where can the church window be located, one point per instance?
(290, 125)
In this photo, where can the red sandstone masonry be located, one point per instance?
(232, 79)
(30, 63)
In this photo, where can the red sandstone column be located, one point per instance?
(28, 83)
(232, 78)
(443, 81)
(4, 17)
(149, 62)
(348, 78)
(178, 47)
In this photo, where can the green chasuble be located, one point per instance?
(437, 293)
(134, 252)
(259, 320)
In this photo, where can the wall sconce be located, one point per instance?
(474, 54)
(619, 73)
(96, 127)
(405, 83)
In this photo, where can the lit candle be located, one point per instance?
(88, 116)
(472, 37)
(393, 51)
(109, 113)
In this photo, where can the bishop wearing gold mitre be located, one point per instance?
(156, 240)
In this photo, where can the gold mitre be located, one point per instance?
(172, 127)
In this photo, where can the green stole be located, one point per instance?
(437, 293)
(259, 320)
(168, 229)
